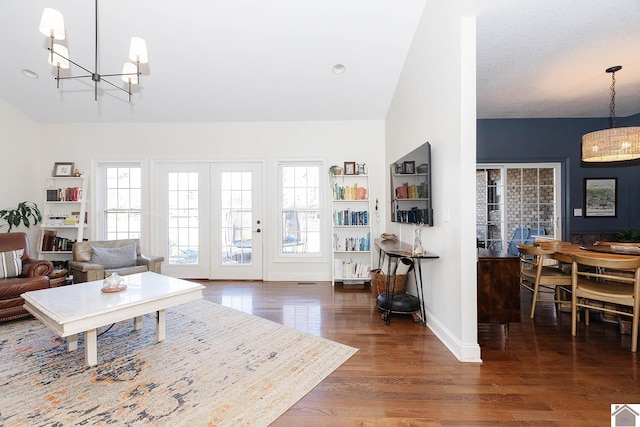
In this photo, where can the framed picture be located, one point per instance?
(399, 168)
(600, 197)
(361, 169)
(62, 169)
(349, 168)
(409, 167)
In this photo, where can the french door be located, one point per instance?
(211, 219)
(517, 203)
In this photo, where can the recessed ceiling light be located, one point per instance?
(339, 69)
(30, 73)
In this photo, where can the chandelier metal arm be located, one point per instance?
(73, 62)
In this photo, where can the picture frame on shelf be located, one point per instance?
(63, 169)
(361, 168)
(600, 197)
(409, 167)
(349, 168)
(399, 168)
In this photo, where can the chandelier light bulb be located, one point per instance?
(60, 56)
(52, 24)
(130, 73)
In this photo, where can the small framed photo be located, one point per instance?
(361, 168)
(409, 167)
(63, 169)
(399, 168)
(600, 196)
(349, 168)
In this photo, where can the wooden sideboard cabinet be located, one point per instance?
(498, 287)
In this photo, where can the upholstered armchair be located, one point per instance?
(96, 260)
(18, 274)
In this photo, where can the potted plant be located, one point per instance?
(628, 236)
(26, 213)
(335, 170)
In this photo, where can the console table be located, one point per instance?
(397, 249)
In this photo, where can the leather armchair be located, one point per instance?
(34, 277)
(85, 269)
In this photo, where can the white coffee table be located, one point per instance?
(82, 308)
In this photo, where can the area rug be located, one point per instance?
(217, 367)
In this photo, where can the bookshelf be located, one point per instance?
(351, 230)
(64, 217)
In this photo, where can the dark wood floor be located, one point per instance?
(403, 375)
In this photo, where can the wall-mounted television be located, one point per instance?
(411, 187)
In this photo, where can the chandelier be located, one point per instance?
(52, 25)
(615, 144)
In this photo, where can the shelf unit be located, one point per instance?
(351, 230)
(411, 197)
(64, 217)
(411, 203)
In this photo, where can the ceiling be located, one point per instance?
(257, 60)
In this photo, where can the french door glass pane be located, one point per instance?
(183, 217)
(236, 214)
(527, 201)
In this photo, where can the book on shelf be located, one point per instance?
(349, 192)
(347, 269)
(51, 242)
(69, 194)
(349, 217)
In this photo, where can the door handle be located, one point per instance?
(258, 230)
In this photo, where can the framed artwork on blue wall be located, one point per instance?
(600, 196)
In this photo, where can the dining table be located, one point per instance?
(563, 251)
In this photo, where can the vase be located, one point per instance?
(417, 240)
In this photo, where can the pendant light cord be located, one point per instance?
(612, 105)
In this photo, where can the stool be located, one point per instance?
(57, 278)
(400, 304)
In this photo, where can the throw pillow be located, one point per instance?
(11, 263)
(123, 256)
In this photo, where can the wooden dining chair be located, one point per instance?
(608, 280)
(541, 274)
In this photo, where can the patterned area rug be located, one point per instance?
(217, 366)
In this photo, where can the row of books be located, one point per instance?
(60, 220)
(406, 191)
(52, 243)
(349, 217)
(347, 269)
(349, 192)
(355, 244)
(413, 216)
(70, 194)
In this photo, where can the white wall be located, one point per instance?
(20, 158)
(267, 142)
(435, 102)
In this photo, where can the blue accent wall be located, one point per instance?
(559, 140)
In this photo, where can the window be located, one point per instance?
(120, 201)
(300, 209)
